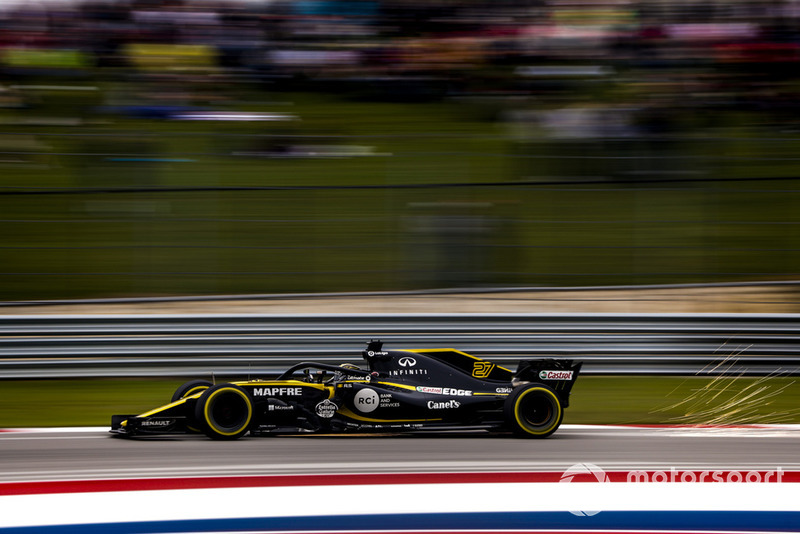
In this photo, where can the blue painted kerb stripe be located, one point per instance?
(734, 521)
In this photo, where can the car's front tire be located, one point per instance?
(533, 411)
(224, 411)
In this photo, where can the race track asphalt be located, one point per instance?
(76, 454)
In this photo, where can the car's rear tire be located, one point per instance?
(224, 411)
(190, 388)
(533, 411)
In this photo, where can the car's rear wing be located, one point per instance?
(558, 374)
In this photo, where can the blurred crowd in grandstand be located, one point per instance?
(663, 56)
(542, 91)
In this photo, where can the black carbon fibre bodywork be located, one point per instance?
(398, 390)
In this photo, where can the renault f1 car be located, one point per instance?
(400, 390)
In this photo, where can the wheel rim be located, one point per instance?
(228, 412)
(537, 411)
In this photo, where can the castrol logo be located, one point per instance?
(555, 375)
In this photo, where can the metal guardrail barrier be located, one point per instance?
(259, 345)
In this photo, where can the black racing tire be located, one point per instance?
(224, 411)
(187, 389)
(190, 388)
(533, 411)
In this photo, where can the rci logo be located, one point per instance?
(589, 472)
(482, 369)
(366, 400)
(407, 361)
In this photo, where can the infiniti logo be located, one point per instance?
(407, 361)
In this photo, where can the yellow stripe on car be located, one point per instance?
(401, 386)
(459, 352)
(194, 391)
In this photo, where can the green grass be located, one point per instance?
(596, 400)
(53, 403)
(690, 400)
(180, 242)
